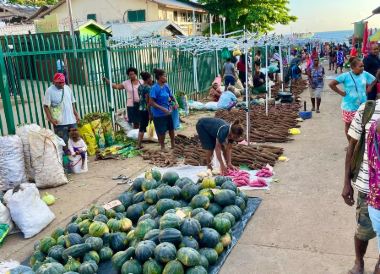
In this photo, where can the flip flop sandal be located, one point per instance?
(120, 177)
(125, 181)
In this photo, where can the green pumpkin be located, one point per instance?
(72, 265)
(240, 203)
(210, 254)
(203, 261)
(91, 256)
(61, 241)
(226, 239)
(188, 256)
(119, 258)
(208, 237)
(37, 256)
(195, 211)
(120, 208)
(165, 252)
(84, 226)
(167, 192)
(131, 267)
(126, 199)
(208, 193)
(189, 191)
(134, 212)
(73, 239)
(170, 220)
(118, 241)
(97, 209)
(170, 178)
(222, 225)
(151, 196)
(138, 197)
(189, 242)
(89, 267)
(149, 185)
(152, 235)
(196, 270)
(72, 228)
(57, 233)
(190, 227)
(114, 225)
(234, 210)
(227, 215)
(173, 267)
(164, 205)
(76, 251)
(137, 183)
(110, 213)
(214, 208)
(206, 219)
(37, 265)
(220, 180)
(145, 250)
(143, 227)
(229, 185)
(95, 243)
(98, 229)
(152, 267)
(182, 182)
(51, 268)
(219, 248)
(105, 254)
(170, 235)
(125, 225)
(56, 252)
(46, 243)
(225, 197)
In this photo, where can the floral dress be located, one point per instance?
(373, 146)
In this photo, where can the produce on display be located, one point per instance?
(159, 158)
(183, 229)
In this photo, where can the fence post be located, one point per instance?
(5, 95)
(108, 74)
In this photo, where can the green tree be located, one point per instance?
(256, 15)
(33, 2)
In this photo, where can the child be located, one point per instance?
(215, 92)
(77, 146)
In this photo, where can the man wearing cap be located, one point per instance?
(59, 106)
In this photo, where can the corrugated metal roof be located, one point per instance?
(178, 4)
(144, 29)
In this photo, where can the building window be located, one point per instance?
(175, 14)
(91, 16)
(136, 15)
(183, 17)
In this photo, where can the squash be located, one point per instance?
(51, 268)
(241, 194)
(61, 241)
(206, 219)
(200, 201)
(173, 267)
(138, 197)
(170, 220)
(119, 209)
(203, 262)
(134, 212)
(72, 228)
(37, 256)
(137, 183)
(188, 256)
(170, 235)
(105, 254)
(84, 226)
(227, 215)
(143, 227)
(170, 178)
(189, 242)
(118, 241)
(189, 191)
(98, 229)
(56, 252)
(97, 209)
(153, 174)
(91, 256)
(225, 197)
(149, 184)
(196, 270)
(182, 182)
(131, 267)
(110, 213)
(240, 203)
(208, 182)
(125, 225)
(152, 235)
(76, 251)
(214, 208)
(222, 225)
(166, 192)
(220, 180)
(114, 225)
(152, 267)
(145, 250)
(165, 204)
(119, 258)
(210, 254)
(152, 211)
(195, 211)
(101, 218)
(95, 243)
(219, 248)
(57, 233)
(208, 237)
(208, 193)
(165, 252)
(151, 196)
(126, 199)
(190, 227)
(73, 239)
(144, 205)
(229, 185)
(144, 217)
(226, 239)
(234, 210)
(50, 260)
(46, 243)
(72, 265)
(89, 267)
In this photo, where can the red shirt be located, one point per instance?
(241, 66)
(354, 52)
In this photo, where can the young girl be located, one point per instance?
(77, 146)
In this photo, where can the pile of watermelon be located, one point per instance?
(164, 225)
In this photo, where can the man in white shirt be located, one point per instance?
(59, 106)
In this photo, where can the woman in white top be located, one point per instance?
(131, 86)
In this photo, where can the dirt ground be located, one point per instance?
(302, 225)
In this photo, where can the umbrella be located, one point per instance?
(375, 37)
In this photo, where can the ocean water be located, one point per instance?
(334, 36)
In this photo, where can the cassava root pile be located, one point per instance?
(159, 158)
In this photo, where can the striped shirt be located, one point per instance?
(355, 131)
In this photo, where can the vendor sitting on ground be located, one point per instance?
(227, 100)
(59, 107)
(216, 134)
(77, 146)
(215, 92)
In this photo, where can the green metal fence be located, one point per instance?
(28, 63)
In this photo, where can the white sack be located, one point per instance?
(5, 217)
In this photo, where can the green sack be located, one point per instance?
(226, 53)
(4, 230)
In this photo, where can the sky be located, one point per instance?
(329, 15)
